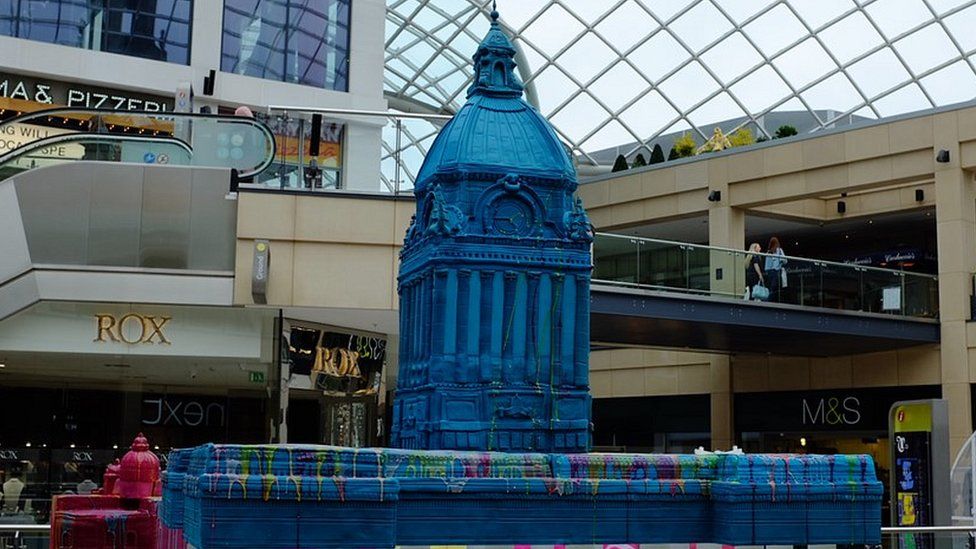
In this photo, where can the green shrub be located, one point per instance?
(785, 131)
(742, 137)
(685, 145)
(620, 164)
(657, 155)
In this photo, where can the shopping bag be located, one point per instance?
(782, 278)
(760, 292)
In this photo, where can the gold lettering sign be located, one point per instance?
(131, 328)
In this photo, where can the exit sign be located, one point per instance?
(256, 377)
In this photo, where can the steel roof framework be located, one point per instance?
(429, 43)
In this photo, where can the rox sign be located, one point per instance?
(131, 328)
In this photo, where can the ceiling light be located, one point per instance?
(28, 445)
(72, 445)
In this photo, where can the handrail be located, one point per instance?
(156, 114)
(764, 254)
(359, 112)
(925, 529)
(25, 527)
(884, 529)
(84, 136)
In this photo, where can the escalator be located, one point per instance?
(62, 135)
(122, 206)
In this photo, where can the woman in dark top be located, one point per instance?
(754, 272)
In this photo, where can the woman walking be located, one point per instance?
(774, 268)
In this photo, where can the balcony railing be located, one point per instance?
(708, 270)
(405, 140)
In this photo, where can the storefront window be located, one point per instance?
(150, 29)
(843, 421)
(663, 424)
(66, 448)
(288, 40)
(343, 372)
(295, 167)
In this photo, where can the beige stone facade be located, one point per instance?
(878, 168)
(331, 252)
(341, 252)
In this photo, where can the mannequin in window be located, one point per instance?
(87, 485)
(12, 489)
(313, 175)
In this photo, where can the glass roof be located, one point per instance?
(619, 74)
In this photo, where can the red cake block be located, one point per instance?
(125, 515)
(104, 528)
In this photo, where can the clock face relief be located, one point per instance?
(511, 217)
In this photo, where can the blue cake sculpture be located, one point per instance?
(494, 281)
(491, 417)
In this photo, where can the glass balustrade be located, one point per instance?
(164, 138)
(406, 138)
(704, 270)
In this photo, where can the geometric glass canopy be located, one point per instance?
(621, 73)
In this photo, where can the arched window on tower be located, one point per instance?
(499, 78)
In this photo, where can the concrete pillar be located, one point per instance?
(723, 431)
(391, 370)
(955, 206)
(727, 229)
(207, 34)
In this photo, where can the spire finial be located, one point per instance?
(494, 10)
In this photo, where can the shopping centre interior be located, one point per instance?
(203, 208)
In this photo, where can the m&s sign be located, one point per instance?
(831, 411)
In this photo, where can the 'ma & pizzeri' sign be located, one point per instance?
(72, 95)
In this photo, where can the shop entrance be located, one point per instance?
(843, 421)
(335, 385)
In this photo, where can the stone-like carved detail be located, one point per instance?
(512, 182)
(515, 409)
(413, 233)
(577, 223)
(445, 219)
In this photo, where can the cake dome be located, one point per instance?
(139, 471)
(496, 131)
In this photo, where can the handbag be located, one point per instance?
(782, 278)
(760, 292)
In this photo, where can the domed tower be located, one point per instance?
(494, 280)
